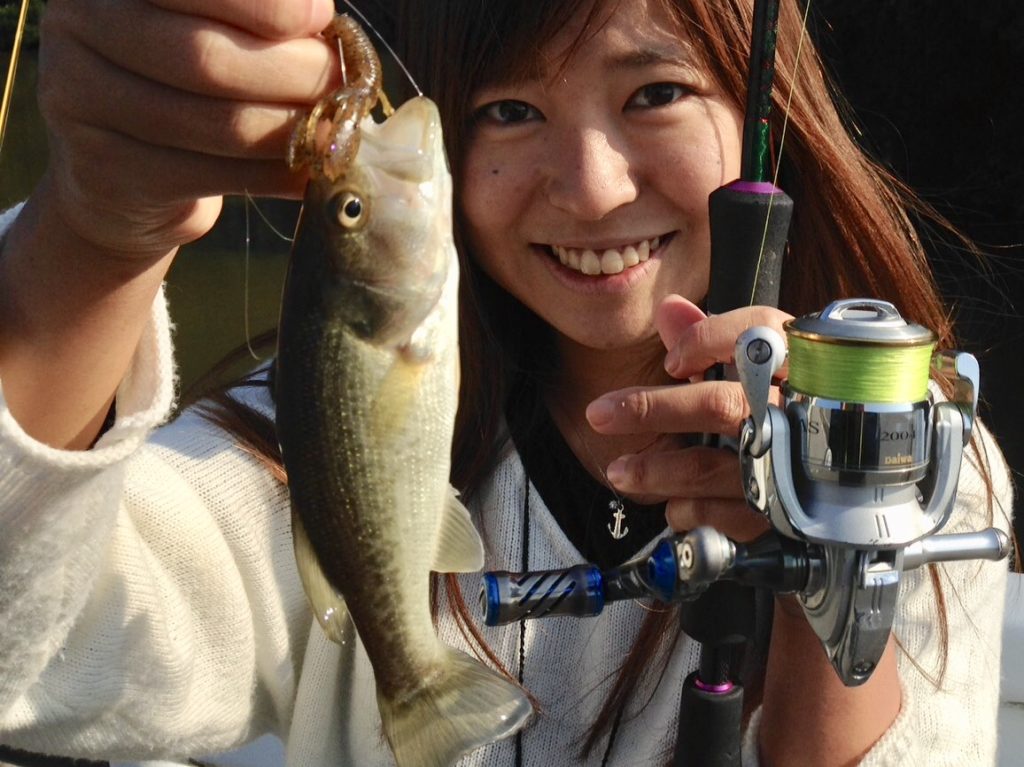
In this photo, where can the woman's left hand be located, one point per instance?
(701, 484)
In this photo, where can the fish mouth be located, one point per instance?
(407, 145)
(600, 261)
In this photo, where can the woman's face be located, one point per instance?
(586, 192)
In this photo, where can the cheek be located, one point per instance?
(483, 188)
(494, 198)
(707, 154)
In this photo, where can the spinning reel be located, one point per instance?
(856, 471)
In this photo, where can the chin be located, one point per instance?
(623, 339)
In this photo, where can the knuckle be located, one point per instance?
(679, 514)
(282, 21)
(703, 334)
(770, 316)
(701, 465)
(638, 405)
(236, 125)
(637, 471)
(725, 405)
(206, 51)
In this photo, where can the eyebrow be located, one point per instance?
(645, 57)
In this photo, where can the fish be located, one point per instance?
(365, 382)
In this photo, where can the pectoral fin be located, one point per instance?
(328, 605)
(459, 548)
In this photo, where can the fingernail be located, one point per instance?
(616, 471)
(600, 411)
(671, 360)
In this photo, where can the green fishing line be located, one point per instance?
(859, 372)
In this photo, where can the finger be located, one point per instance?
(716, 407)
(273, 19)
(697, 472)
(713, 340)
(123, 210)
(733, 518)
(183, 175)
(202, 55)
(674, 315)
(160, 115)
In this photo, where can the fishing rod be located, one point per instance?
(856, 471)
(12, 68)
(749, 221)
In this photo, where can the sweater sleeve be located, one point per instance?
(141, 611)
(949, 679)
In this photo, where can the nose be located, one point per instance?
(588, 176)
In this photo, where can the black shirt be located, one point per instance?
(582, 506)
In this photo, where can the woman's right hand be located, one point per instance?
(154, 109)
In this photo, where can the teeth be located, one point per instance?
(589, 262)
(644, 251)
(610, 261)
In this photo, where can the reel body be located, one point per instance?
(860, 464)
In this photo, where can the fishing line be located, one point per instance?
(386, 45)
(267, 221)
(245, 282)
(247, 201)
(12, 68)
(859, 373)
(782, 141)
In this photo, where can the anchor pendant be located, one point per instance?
(618, 531)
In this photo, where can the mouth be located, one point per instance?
(602, 261)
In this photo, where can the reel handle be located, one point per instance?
(510, 597)
(583, 590)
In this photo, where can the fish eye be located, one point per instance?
(349, 210)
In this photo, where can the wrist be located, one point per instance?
(71, 314)
(803, 693)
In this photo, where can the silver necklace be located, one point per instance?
(617, 506)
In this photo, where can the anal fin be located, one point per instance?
(328, 605)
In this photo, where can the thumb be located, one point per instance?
(673, 317)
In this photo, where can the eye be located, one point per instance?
(658, 95)
(349, 210)
(507, 112)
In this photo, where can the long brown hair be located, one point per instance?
(851, 233)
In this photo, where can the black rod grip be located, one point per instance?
(746, 260)
(710, 733)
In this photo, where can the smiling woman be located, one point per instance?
(153, 609)
(608, 155)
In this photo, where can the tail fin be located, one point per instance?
(467, 707)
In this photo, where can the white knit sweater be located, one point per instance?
(150, 609)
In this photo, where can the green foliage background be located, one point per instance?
(9, 12)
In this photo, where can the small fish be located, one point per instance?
(366, 383)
